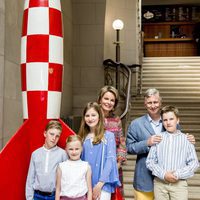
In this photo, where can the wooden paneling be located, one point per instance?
(168, 29)
(152, 30)
(169, 48)
(159, 40)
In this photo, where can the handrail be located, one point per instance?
(127, 92)
(141, 55)
(110, 63)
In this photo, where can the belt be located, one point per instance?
(166, 182)
(45, 193)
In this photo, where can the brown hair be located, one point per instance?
(169, 108)
(54, 124)
(73, 138)
(85, 129)
(111, 89)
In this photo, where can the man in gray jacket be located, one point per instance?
(140, 137)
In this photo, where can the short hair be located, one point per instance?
(170, 108)
(73, 138)
(54, 124)
(152, 91)
(109, 88)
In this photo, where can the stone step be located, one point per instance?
(188, 126)
(193, 192)
(171, 79)
(139, 106)
(183, 88)
(178, 80)
(130, 164)
(154, 60)
(172, 84)
(181, 76)
(168, 100)
(170, 65)
(166, 69)
(183, 114)
(128, 178)
(182, 117)
(182, 111)
(166, 85)
(192, 131)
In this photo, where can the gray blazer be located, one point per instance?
(139, 131)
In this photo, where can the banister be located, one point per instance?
(128, 91)
(108, 63)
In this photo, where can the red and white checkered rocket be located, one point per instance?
(42, 59)
(41, 75)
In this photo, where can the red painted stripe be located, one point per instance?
(23, 77)
(37, 48)
(25, 22)
(55, 22)
(39, 3)
(55, 77)
(37, 104)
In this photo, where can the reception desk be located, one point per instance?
(162, 47)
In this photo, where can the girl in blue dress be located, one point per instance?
(99, 150)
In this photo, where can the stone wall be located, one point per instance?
(66, 105)
(88, 39)
(93, 38)
(2, 30)
(11, 87)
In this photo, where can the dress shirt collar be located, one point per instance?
(52, 149)
(178, 132)
(156, 123)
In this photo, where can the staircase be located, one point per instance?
(178, 80)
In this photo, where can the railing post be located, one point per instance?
(117, 59)
(141, 59)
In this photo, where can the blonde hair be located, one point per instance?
(54, 124)
(111, 89)
(73, 138)
(85, 129)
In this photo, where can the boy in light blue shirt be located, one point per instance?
(173, 160)
(41, 179)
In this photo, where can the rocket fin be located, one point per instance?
(15, 156)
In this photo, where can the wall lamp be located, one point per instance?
(117, 25)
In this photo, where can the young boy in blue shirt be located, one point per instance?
(173, 160)
(41, 179)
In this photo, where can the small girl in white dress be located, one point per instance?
(73, 180)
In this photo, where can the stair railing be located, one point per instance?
(141, 55)
(119, 75)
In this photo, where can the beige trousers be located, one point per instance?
(170, 191)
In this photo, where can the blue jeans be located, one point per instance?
(43, 197)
